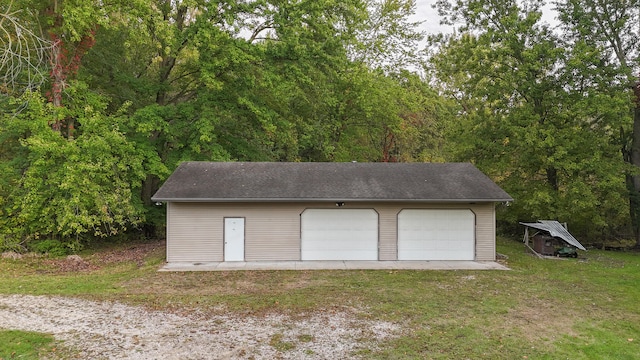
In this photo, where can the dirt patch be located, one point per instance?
(72, 263)
(133, 253)
(540, 321)
(223, 283)
(11, 255)
(302, 280)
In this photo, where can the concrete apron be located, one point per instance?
(333, 265)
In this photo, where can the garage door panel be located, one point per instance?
(331, 241)
(339, 234)
(436, 234)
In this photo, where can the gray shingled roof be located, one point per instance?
(312, 181)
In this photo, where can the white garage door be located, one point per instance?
(339, 234)
(436, 234)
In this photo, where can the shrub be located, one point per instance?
(10, 243)
(51, 247)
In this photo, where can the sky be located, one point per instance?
(426, 13)
(431, 21)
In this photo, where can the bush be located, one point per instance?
(51, 247)
(9, 243)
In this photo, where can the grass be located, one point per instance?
(16, 344)
(279, 344)
(584, 308)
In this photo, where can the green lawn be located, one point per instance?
(586, 308)
(24, 345)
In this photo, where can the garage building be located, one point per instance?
(266, 211)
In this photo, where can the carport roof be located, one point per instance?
(315, 181)
(555, 229)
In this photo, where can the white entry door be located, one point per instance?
(234, 239)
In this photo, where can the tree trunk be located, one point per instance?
(149, 187)
(633, 182)
(56, 61)
(634, 206)
(71, 126)
(552, 178)
(57, 80)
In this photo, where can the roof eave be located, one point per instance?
(220, 200)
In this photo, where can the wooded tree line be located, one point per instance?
(101, 101)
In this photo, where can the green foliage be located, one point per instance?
(51, 247)
(529, 123)
(201, 80)
(387, 38)
(389, 117)
(547, 116)
(69, 188)
(11, 243)
(607, 33)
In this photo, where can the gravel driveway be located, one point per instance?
(110, 330)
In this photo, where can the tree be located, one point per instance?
(386, 38)
(131, 88)
(392, 117)
(67, 183)
(70, 27)
(609, 30)
(524, 120)
(23, 50)
(53, 188)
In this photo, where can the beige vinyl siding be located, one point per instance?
(272, 232)
(191, 234)
(195, 231)
(388, 249)
(485, 232)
